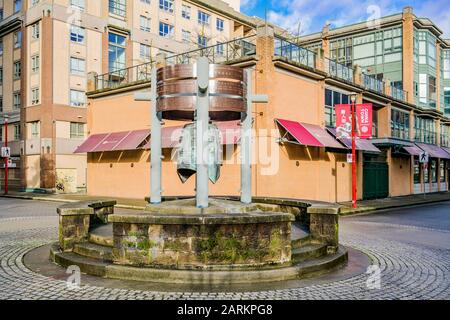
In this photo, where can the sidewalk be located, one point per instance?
(395, 202)
(138, 204)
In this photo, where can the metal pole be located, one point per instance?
(155, 152)
(354, 206)
(6, 158)
(246, 144)
(202, 125)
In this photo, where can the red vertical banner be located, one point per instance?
(343, 121)
(364, 120)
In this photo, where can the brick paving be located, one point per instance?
(409, 268)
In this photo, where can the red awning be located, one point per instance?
(433, 150)
(309, 134)
(133, 140)
(413, 150)
(361, 144)
(112, 140)
(91, 142)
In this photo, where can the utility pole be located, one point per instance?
(354, 192)
(6, 158)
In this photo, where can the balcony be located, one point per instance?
(370, 82)
(399, 94)
(338, 71)
(295, 53)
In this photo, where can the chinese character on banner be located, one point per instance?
(364, 117)
(343, 121)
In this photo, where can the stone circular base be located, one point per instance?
(300, 270)
(226, 236)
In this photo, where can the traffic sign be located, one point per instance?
(349, 158)
(424, 157)
(6, 152)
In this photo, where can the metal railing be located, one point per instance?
(295, 53)
(370, 82)
(338, 70)
(219, 53)
(399, 94)
(117, 78)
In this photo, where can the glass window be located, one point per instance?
(34, 2)
(219, 48)
(165, 30)
(399, 124)
(333, 98)
(17, 100)
(76, 130)
(118, 7)
(446, 64)
(202, 41)
(220, 24)
(417, 172)
(186, 35)
(434, 171)
(17, 39)
(166, 5)
(1, 75)
(78, 4)
(77, 66)
(77, 98)
(17, 5)
(77, 34)
(17, 70)
(1, 46)
(203, 18)
(116, 52)
(145, 23)
(442, 171)
(35, 129)
(35, 63)
(35, 96)
(35, 30)
(186, 12)
(145, 52)
(17, 132)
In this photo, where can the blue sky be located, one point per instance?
(311, 15)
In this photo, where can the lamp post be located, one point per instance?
(6, 158)
(353, 100)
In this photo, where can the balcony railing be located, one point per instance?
(219, 53)
(337, 70)
(399, 94)
(295, 53)
(370, 82)
(114, 79)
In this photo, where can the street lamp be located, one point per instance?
(353, 97)
(6, 158)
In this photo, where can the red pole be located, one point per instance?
(6, 158)
(354, 206)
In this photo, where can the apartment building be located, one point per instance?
(304, 79)
(48, 46)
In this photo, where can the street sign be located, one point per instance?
(6, 152)
(424, 157)
(10, 164)
(349, 158)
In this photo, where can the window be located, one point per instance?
(333, 98)
(77, 66)
(1, 14)
(1, 104)
(434, 171)
(34, 2)
(186, 12)
(166, 5)
(186, 36)
(35, 129)
(219, 24)
(35, 30)
(447, 98)
(1, 75)
(432, 91)
(116, 55)
(445, 135)
(202, 41)
(17, 101)
(17, 39)
(423, 90)
(145, 52)
(399, 124)
(17, 70)
(425, 130)
(203, 18)
(77, 34)
(76, 130)
(1, 46)
(165, 30)
(442, 171)
(219, 48)
(35, 96)
(446, 64)
(118, 7)
(77, 98)
(417, 172)
(145, 23)
(17, 5)
(145, 1)
(35, 63)
(17, 132)
(78, 4)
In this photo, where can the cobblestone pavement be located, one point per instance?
(413, 257)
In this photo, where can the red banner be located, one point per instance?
(344, 122)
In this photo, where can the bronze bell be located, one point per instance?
(187, 153)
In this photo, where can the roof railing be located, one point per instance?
(295, 53)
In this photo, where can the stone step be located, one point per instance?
(309, 251)
(299, 236)
(94, 251)
(301, 242)
(102, 235)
